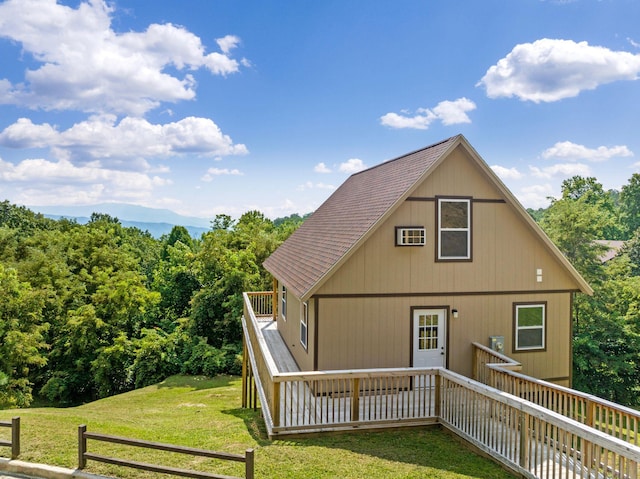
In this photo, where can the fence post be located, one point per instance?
(248, 463)
(15, 437)
(82, 446)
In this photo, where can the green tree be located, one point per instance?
(607, 337)
(630, 204)
(589, 191)
(574, 225)
(21, 338)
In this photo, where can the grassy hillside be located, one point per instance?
(206, 413)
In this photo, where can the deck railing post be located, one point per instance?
(438, 391)
(524, 434)
(274, 300)
(248, 464)
(474, 363)
(15, 437)
(276, 404)
(355, 399)
(590, 413)
(82, 446)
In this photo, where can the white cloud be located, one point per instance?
(419, 122)
(321, 168)
(566, 150)
(549, 70)
(535, 196)
(40, 181)
(24, 134)
(448, 112)
(506, 173)
(352, 165)
(309, 185)
(213, 172)
(561, 170)
(85, 65)
(454, 112)
(228, 43)
(633, 43)
(119, 144)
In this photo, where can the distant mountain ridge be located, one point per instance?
(154, 220)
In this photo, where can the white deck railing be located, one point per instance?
(499, 371)
(530, 439)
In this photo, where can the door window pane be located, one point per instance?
(428, 332)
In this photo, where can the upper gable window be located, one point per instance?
(454, 229)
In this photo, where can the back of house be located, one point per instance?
(411, 261)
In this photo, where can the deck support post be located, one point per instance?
(245, 359)
(355, 399)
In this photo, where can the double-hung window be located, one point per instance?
(283, 303)
(529, 326)
(304, 321)
(454, 229)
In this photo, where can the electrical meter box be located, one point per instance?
(496, 343)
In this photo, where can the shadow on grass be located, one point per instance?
(253, 422)
(196, 383)
(429, 446)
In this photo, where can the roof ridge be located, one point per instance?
(407, 154)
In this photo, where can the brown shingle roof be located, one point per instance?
(342, 222)
(346, 217)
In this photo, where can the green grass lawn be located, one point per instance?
(205, 413)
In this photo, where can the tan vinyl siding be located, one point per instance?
(505, 255)
(290, 331)
(376, 332)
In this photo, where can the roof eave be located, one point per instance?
(401, 199)
(517, 206)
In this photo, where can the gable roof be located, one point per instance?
(350, 215)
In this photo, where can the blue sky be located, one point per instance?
(206, 107)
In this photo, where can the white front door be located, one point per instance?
(429, 341)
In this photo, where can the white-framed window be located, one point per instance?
(283, 303)
(454, 229)
(530, 326)
(410, 236)
(304, 321)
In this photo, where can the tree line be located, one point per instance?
(88, 311)
(92, 310)
(606, 326)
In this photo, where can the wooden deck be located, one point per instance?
(277, 348)
(535, 429)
